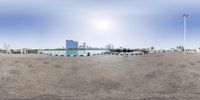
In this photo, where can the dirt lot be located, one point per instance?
(171, 76)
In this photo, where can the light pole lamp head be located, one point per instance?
(185, 15)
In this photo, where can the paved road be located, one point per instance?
(147, 77)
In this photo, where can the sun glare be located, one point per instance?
(103, 25)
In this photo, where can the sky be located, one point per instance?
(123, 23)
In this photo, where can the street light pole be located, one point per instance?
(185, 30)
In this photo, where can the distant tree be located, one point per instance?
(152, 48)
(124, 50)
(128, 50)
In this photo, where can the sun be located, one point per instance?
(103, 25)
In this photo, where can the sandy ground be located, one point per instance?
(171, 76)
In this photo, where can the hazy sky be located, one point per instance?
(126, 23)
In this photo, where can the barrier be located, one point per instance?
(88, 54)
(56, 54)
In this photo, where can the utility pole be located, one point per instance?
(184, 31)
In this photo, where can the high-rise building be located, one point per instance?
(70, 44)
(84, 45)
(109, 47)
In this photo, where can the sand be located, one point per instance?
(171, 76)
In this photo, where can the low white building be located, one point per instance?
(198, 50)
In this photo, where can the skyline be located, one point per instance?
(123, 23)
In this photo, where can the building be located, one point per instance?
(198, 50)
(179, 48)
(80, 46)
(70, 44)
(109, 47)
(84, 45)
